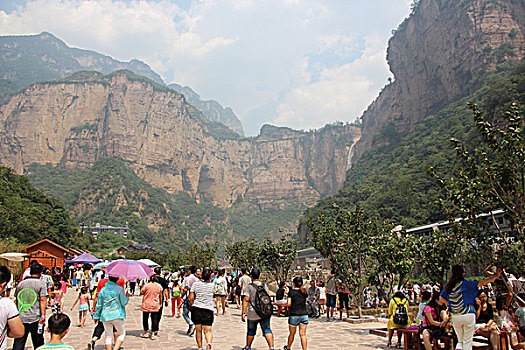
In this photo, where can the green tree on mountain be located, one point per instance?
(27, 215)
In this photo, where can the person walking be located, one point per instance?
(165, 291)
(201, 301)
(460, 295)
(35, 316)
(10, 321)
(249, 314)
(151, 303)
(220, 285)
(176, 300)
(99, 327)
(187, 283)
(331, 296)
(111, 311)
(298, 313)
(83, 306)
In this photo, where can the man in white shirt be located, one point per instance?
(10, 324)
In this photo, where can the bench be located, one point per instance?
(281, 309)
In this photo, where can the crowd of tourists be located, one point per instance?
(463, 310)
(459, 311)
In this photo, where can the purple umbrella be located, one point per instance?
(129, 269)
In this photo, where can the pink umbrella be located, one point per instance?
(129, 269)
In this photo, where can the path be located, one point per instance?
(228, 332)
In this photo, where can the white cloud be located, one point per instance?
(295, 63)
(341, 93)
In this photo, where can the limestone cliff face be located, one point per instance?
(211, 109)
(168, 143)
(438, 53)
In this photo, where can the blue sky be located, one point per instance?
(294, 63)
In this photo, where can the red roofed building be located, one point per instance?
(47, 253)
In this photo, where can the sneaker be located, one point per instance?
(188, 331)
(192, 330)
(91, 345)
(224, 312)
(208, 347)
(286, 348)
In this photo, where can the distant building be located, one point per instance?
(98, 229)
(310, 258)
(445, 226)
(136, 247)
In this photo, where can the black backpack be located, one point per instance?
(400, 314)
(261, 303)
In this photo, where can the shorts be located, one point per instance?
(252, 327)
(322, 301)
(331, 300)
(83, 308)
(435, 332)
(219, 295)
(201, 316)
(295, 320)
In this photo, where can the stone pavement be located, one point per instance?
(228, 332)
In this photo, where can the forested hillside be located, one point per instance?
(392, 179)
(27, 215)
(110, 193)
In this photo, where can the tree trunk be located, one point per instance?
(360, 289)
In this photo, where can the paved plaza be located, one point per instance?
(228, 332)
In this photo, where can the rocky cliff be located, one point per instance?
(211, 109)
(26, 59)
(169, 143)
(439, 53)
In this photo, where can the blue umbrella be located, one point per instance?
(100, 265)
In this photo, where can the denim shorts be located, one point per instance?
(295, 320)
(252, 327)
(330, 300)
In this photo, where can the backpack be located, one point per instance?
(400, 314)
(261, 303)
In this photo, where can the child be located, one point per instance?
(83, 306)
(58, 327)
(57, 298)
(175, 298)
(426, 296)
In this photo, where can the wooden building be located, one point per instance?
(47, 253)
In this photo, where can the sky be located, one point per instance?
(294, 63)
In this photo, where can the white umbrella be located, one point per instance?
(149, 262)
(13, 256)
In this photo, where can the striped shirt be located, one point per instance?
(203, 295)
(462, 298)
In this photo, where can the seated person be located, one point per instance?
(426, 295)
(434, 321)
(281, 294)
(281, 298)
(485, 325)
